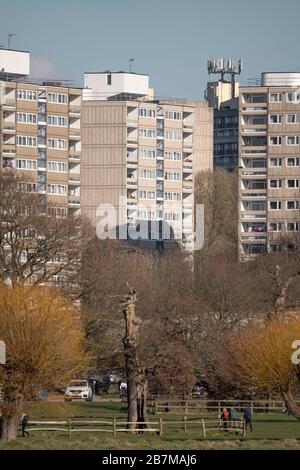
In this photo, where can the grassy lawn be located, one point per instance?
(271, 431)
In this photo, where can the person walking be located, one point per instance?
(248, 417)
(234, 417)
(24, 424)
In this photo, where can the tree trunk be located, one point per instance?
(137, 383)
(8, 427)
(290, 403)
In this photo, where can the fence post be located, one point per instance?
(244, 428)
(184, 424)
(203, 426)
(219, 407)
(155, 407)
(115, 427)
(186, 408)
(69, 427)
(160, 427)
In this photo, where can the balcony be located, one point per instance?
(74, 134)
(132, 122)
(8, 128)
(74, 156)
(74, 201)
(9, 104)
(74, 179)
(187, 187)
(188, 128)
(76, 111)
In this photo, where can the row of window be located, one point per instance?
(288, 118)
(280, 226)
(28, 141)
(278, 205)
(169, 134)
(290, 97)
(151, 174)
(151, 113)
(29, 118)
(281, 183)
(278, 161)
(169, 195)
(289, 140)
(30, 95)
(149, 153)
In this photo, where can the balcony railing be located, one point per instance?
(9, 126)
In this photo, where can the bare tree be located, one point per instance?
(36, 246)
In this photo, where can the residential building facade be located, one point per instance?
(40, 133)
(269, 163)
(140, 155)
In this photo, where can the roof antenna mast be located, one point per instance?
(130, 64)
(10, 36)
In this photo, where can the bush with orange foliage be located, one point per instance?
(260, 355)
(44, 341)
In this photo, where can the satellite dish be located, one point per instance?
(2, 353)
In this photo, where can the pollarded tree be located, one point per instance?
(44, 344)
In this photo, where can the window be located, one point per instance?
(172, 196)
(176, 115)
(275, 97)
(173, 156)
(59, 212)
(275, 161)
(275, 226)
(293, 140)
(173, 135)
(147, 174)
(291, 184)
(58, 98)
(26, 118)
(108, 79)
(146, 112)
(275, 183)
(26, 141)
(293, 97)
(275, 205)
(172, 216)
(57, 189)
(275, 119)
(293, 226)
(173, 175)
(24, 164)
(60, 167)
(26, 95)
(292, 118)
(292, 161)
(59, 121)
(292, 205)
(147, 133)
(27, 187)
(59, 144)
(146, 153)
(275, 140)
(146, 215)
(144, 194)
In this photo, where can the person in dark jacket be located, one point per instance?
(24, 424)
(248, 417)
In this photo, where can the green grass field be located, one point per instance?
(271, 431)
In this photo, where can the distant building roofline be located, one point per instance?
(119, 71)
(14, 50)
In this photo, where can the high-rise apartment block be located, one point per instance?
(40, 136)
(140, 155)
(269, 163)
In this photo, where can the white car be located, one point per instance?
(78, 390)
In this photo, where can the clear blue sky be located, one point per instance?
(170, 40)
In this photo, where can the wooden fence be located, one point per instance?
(201, 406)
(115, 425)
